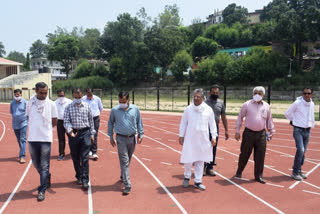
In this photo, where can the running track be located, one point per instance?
(157, 176)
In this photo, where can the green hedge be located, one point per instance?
(87, 82)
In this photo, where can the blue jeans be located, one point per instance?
(301, 136)
(21, 135)
(40, 155)
(79, 149)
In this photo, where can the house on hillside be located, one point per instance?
(254, 17)
(9, 67)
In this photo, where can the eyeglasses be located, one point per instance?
(304, 93)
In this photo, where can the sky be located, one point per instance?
(25, 21)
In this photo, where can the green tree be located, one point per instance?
(197, 29)
(169, 17)
(83, 69)
(16, 56)
(89, 44)
(118, 71)
(2, 50)
(38, 49)
(100, 70)
(27, 63)
(233, 13)
(204, 70)
(181, 62)
(143, 17)
(227, 37)
(64, 49)
(203, 47)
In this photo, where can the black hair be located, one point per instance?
(41, 85)
(124, 94)
(307, 88)
(17, 91)
(76, 91)
(89, 90)
(214, 87)
(60, 90)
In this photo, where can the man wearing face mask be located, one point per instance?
(125, 120)
(19, 122)
(78, 123)
(219, 110)
(62, 102)
(301, 116)
(42, 114)
(194, 136)
(258, 118)
(96, 108)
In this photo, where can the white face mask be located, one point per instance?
(123, 105)
(17, 98)
(77, 101)
(61, 99)
(257, 98)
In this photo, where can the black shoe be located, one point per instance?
(40, 196)
(214, 164)
(260, 180)
(126, 191)
(238, 175)
(49, 181)
(79, 181)
(85, 186)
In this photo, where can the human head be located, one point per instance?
(60, 93)
(307, 93)
(214, 92)
(41, 90)
(198, 96)
(76, 93)
(17, 92)
(89, 93)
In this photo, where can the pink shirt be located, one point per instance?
(258, 116)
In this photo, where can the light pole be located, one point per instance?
(290, 75)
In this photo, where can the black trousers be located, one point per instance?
(61, 137)
(253, 140)
(94, 146)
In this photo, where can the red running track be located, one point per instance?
(157, 176)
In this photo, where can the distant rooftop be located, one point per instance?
(4, 61)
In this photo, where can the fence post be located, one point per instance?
(111, 98)
(269, 94)
(188, 94)
(133, 96)
(225, 95)
(158, 99)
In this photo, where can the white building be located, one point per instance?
(215, 18)
(47, 66)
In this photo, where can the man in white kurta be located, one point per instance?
(194, 136)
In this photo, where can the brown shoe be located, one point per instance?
(22, 160)
(211, 172)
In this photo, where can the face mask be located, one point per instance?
(61, 99)
(77, 101)
(123, 105)
(214, 96)
(257, 98)
(17, 98)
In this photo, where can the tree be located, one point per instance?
(181, 62)
(197, 29)
(2, 50)
(143, 17)
(203, 47)
(16, 56)
(169, 17)
(118, 71)
(227, 37)
(233, 13)
(64, 49)
(83, 69)
(26, 65)
(89, 44)
(38, 49)
(205, 68)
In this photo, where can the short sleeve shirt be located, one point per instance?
(218, 108)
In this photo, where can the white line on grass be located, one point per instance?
(16, 188)
(297, 182)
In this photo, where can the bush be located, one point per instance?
(87, 82)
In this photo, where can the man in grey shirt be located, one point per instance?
(126, 121)
(219, 109)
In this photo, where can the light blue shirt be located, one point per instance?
(18, 111)
(95, 105)
(125, 122)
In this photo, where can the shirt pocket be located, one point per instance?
(264, 113)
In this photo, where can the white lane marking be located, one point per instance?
(16, 188)
(100, 149)
(276, 185)
(158, 138)
(90, 198)
(243, 179)
(219, 158)
(312, 159)
(161, 184)
(160, 148)
(169, 164)
(291, 147)
(301, 171)
(114, 152)
(297, 182)
(250, 193)
(146, 159)
(316, 193)
(145, 146)
(288, 155)
(162, 143)
(172, 140)
(4, 130)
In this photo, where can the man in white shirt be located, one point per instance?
(194, 136)
(62, 102)
(96, 108)
(42, 117)
(301, 116)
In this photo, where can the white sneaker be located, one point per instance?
(90, 153)
(95, 157)
(200, 186)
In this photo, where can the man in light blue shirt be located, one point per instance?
(125, 120)
(19, 122)
(96, 108)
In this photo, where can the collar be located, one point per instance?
(262, 102)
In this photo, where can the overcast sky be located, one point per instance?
(25, 21)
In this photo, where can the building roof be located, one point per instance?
(4, 61)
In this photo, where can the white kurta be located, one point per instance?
(194, 127)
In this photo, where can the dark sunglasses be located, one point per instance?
(306, 93)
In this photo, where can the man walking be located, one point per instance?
(19, 122)
(62, 102)
(78, 123)
(194, 136)
(96, 108)
(42, 114)
(258, 118)
(219, 109)
(125, 121)
(301, 116)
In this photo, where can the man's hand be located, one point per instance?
(92, 139)
(72, 134)
(113, 142)
(270, 136)
(227, 135)
(139, 140)
(213, 142)
(181, 140)
(237, 136)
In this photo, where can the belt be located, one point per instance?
(305, 129)
(81, 130)
(96, 117)
(122, 135)
(254, 131)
